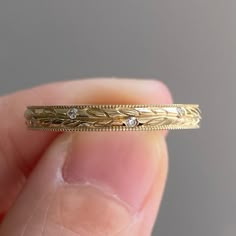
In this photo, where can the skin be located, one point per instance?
(81, 183)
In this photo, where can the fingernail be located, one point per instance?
(121, 163)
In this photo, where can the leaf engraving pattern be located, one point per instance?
(107, 117)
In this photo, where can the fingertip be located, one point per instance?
(164, 94)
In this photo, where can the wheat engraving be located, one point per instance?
(105, 117)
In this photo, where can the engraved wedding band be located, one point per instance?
(113, 117)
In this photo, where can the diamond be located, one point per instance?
(72, 113)
(131, 122)
(180, 111)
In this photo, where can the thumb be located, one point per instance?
(93, 183)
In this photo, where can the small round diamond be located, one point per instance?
(180, 111)
(131, 122)
(72, 113)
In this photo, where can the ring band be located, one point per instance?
(113, 117)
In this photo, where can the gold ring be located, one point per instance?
(113, 117)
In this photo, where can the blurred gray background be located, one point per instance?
(189, 44)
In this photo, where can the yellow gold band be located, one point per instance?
(113, 117)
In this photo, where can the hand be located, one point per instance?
(81, 183)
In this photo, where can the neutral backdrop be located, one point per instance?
(189, 44)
